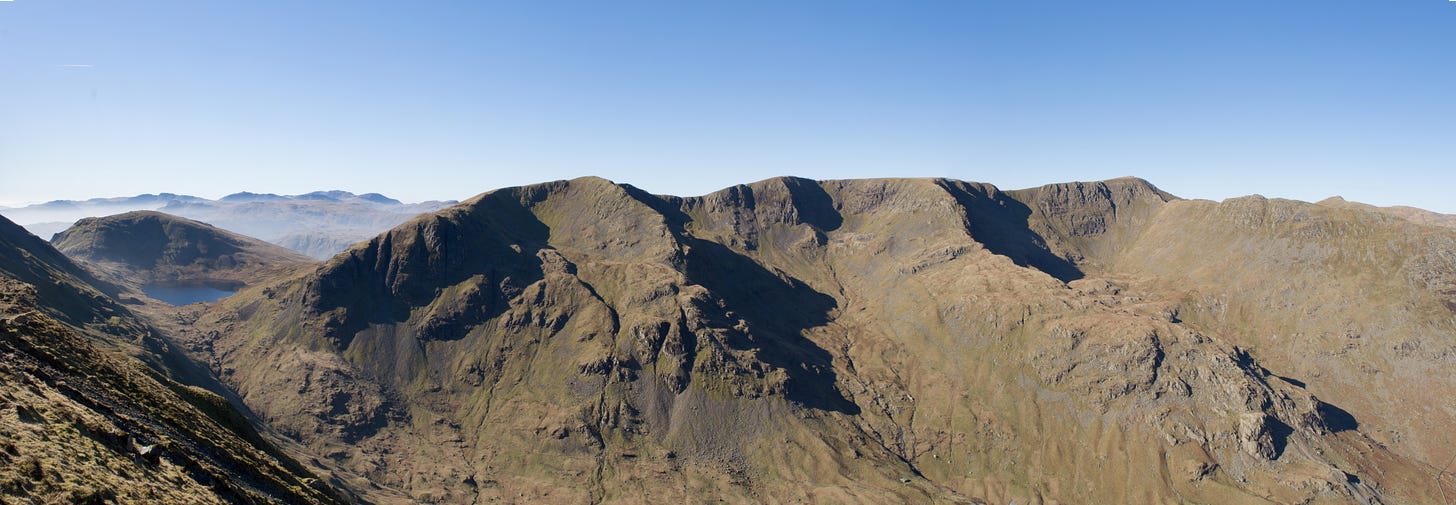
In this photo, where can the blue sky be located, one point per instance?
(443, 100)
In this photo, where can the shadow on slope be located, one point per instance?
(1337, 419)
(813, 205)
(493, 242)
(1002, 225)
(778, 309)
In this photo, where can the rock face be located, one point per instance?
(151, 247)
(861, 341)
(82, 421)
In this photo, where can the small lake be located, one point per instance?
(186, 294)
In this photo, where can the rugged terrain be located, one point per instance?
(93, 408)
(871, 341)
(787, 341)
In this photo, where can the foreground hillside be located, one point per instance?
(867, 341)
(83, 420)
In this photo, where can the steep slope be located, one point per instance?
(83, 423)
(787, 341)
(1352, 301)
(1357, 305)
(64, 290)
(149, 247)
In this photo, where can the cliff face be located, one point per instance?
(84, 420)
(865, 341)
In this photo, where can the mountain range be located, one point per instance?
(785, 341)
(318, 224)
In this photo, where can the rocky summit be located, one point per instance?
(799, 341)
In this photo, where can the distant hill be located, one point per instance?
(154, 247)
(245, 197)
(322, 245)
(318, 224)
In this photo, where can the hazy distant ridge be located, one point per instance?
(319, 224)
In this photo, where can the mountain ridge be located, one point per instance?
(850, 341)
(318, 224)
(788, 307)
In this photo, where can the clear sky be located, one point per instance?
(444, 99)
